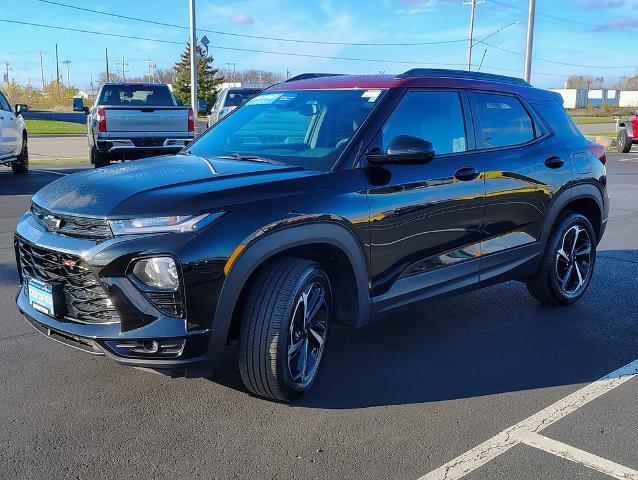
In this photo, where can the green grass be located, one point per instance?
(58, 161)
(585, 120)
(53, 127)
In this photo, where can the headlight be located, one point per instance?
(157, 272)
(175, 223)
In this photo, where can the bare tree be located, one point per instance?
(252, 76)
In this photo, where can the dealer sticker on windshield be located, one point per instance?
(264, 99)
(371, 95)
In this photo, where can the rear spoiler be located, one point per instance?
(306, 76)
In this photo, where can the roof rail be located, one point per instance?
(306, 76)
(440, 72)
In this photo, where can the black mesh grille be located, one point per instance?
(169, 303)
(85, 298)
(71, 225)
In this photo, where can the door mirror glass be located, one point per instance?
(404, 149)
(21, 108)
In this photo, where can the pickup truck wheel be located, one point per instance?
(99, 159)
(568, 262)
(624, 141)
(284, 328)
(21, 164)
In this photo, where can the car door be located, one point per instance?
(524, 167)
(9, 143)
(425, 219)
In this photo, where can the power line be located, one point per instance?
(257, 37)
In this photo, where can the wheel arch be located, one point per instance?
(329, 243)
(628, 126)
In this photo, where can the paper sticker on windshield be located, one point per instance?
(371, 95)
(264, 99)
(286, 97)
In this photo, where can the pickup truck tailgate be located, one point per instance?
(147, 119)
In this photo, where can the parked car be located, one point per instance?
(627, 134)
(229, 99)
(14, 147)
(324, 201)
(135, 120)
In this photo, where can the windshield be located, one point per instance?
(236, 97)
(142, 95)
(307, 128)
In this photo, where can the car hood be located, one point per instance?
(169, 185)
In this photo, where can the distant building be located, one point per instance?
(581, 98)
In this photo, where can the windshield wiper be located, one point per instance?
(251, 158)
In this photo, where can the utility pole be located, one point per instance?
(42, 71)
(67, 62)
(106, 53)
(6, 76)
(57, 68)
(193, 45)
(472, 4)
(530, 40)
(234, 65)
(151, 70)
(123, 63)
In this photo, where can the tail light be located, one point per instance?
(191, 120)
(101, 120)
(599, 151)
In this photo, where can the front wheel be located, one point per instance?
(284, 328)
(21, 164)
(624, 141)
(568, 262)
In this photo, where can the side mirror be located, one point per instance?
(78, 104)
(86, 110)
(20, 108)
(404, 149)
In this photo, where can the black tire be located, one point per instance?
(565, 274)
(624, 141)
(98, 159)
(21, 164)
(271, 327)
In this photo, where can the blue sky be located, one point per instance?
(584, 32)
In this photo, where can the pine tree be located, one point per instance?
(207, 79)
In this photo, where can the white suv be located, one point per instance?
(13, 137)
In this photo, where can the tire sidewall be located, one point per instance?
(312, 274)
(566, 223)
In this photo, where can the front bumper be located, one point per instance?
(141, 322)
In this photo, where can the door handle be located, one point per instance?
(554, 162)
(466, 173)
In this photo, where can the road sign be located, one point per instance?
(202, 47)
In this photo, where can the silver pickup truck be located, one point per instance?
(134, 120)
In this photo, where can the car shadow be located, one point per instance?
(486, 342)
(29, 183)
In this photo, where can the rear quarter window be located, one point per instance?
(502, 120)
(558, 120)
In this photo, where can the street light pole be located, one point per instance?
(530, 40)
(193, 39)
(470, 43)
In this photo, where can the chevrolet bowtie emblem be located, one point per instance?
(51, 222)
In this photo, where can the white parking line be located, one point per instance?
(578, 456)
(503, 441)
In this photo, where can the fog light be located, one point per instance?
(157, 272)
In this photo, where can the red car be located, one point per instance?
(627, 134)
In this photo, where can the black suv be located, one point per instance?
(328, 200)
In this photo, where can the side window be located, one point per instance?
(4, 105)
(556, 116)
(433, 116)
(503, 120)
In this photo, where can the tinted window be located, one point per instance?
(503, 120)
(237, 97)
(4, 105)
(433, 116)
(556, 116)
(131, 95)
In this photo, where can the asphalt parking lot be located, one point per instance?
(484, 385)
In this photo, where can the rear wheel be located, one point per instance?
(284, 329)
(21, 164)
(568, 262)
(99, 159)
(624, 141)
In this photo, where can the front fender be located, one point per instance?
(264, 246)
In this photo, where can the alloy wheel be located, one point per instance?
(307, 334)
(574, 260)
